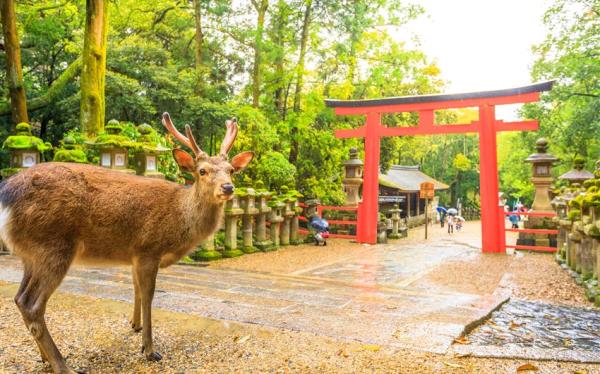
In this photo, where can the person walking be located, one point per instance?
(514, 220)
(450, 222)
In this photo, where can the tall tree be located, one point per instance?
(14, 71)
(300, 79)
(261, 7)
(199, 40)
(94, 67)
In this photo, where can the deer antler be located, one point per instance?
(188, 140)
(230, 136)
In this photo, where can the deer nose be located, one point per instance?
(227, 188)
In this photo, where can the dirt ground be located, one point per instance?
(94, 336)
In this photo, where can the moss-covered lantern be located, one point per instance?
(25, 150)
(70, 152)
(577, 174)
(147, 152)
(114, 147)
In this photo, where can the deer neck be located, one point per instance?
(203, 213)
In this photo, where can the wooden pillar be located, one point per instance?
(368, 210)
(488, 181)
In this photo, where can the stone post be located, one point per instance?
(288, 213)
(247, 201)
(232, 214)
(276, 217)
(262, 242)
(207, 250)
(294, 236)
(381, 231)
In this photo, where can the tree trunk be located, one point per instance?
(302, 56)
(278, 39)
(261, 7)
(14, 71)
(294, 146)
(199, 38)
(94, 67)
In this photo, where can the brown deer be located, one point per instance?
(55, 214)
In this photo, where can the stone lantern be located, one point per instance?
(542, 175)
(147, 152)
(262, 196)
(276, 218)
(247, 203)
(353, 178)
(114, 147)
(577, 174)
(25, 150)
(541, 162)
(70, 152)
(395, 212)
(232, 215)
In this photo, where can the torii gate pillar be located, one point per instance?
(492, 222)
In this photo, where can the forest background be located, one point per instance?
(271, 63)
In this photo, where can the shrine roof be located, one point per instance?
(408, 179)
(536, 87)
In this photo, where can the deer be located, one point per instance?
(55, 214)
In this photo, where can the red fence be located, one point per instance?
(528, 231)
(320, 209)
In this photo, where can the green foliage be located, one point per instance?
(275, 170)
(152, 68)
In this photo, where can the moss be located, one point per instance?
(25, 140)
(574, 214)
(576, 202)
(70, 155)
(7, 172)
(203, 255)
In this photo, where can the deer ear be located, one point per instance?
(184, 160)
(241, 160)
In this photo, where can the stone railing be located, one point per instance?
(578, 239)
(254, 220)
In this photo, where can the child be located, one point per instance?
(450, 221)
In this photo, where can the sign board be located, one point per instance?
(426, 190)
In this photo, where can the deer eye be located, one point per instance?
(202, 171)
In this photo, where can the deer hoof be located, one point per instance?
(154, 356)
(135, 326)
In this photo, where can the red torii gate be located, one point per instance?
(492, 223)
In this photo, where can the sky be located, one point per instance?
(480, 44)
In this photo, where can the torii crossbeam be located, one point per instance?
(487, 126)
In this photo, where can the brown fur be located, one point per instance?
(54, 214)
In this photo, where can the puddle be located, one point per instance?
(527, 324)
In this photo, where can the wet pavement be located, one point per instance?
(529, 329)
(370, 297)
(383, 295)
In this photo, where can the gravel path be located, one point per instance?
(94, 336)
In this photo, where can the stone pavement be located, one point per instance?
(371, 297)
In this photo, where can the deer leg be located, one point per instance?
(146, 271)
(136, 323)
(32, 304)
(27, 272)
